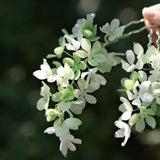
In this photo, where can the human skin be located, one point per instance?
(151, 16)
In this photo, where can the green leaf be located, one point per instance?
(81, 53)
(90, 99)
(133, 119)
(92, 62)
(58, 51)
(92, 39)
(57, 64)
(150, 112)
(134, 76)
(154, 106)
(51, 114)
(122, 81)
(73, 123)
(69, 61)
(82, 65)
(57, 97)
(77, 74)
(150, 121)
(140, 125)
(51, 55)
(129, 84)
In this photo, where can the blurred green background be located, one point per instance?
(29, 30)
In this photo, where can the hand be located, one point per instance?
(152, 17)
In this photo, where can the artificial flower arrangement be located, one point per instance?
(77, 69)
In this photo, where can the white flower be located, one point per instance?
(124, 131)
(130, 66)
(67, 143)
(64, 74)
(45, 72)
(76, 29)
(96, 79)
(140, 94)
(72, 44)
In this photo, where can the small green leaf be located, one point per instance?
(57, 64)
(77, 74)
(140, 125)
(150, 121)
(58, 51)
(81, 53)
(133, 119)
(150, 112)
(51, 55)
(57, 97)
(69, 61)
(134, 76)
(129, 84)
(51, 114)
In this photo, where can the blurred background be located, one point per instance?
(29, 30)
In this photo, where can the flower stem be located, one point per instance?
(128, 34)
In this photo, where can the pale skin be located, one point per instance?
(151, 16)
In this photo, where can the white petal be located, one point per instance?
(130, 56)
(142, 76)
(126, 115)
(91, 16)
(144, 86)
(69, 47)
(119, 133)
(147, 97)
(40, 74)
(130, 95)
(139, 64)
(127, 67)
(51, 78)
(60, 71)
(136, 102)
(71, 146)
(84, 74)
(50, 130)
(63, 148)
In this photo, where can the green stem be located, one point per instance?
(68, 54)
(128, 34)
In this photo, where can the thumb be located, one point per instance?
(152, 15)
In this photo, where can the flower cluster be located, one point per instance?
(77, 67)
(142, 90)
